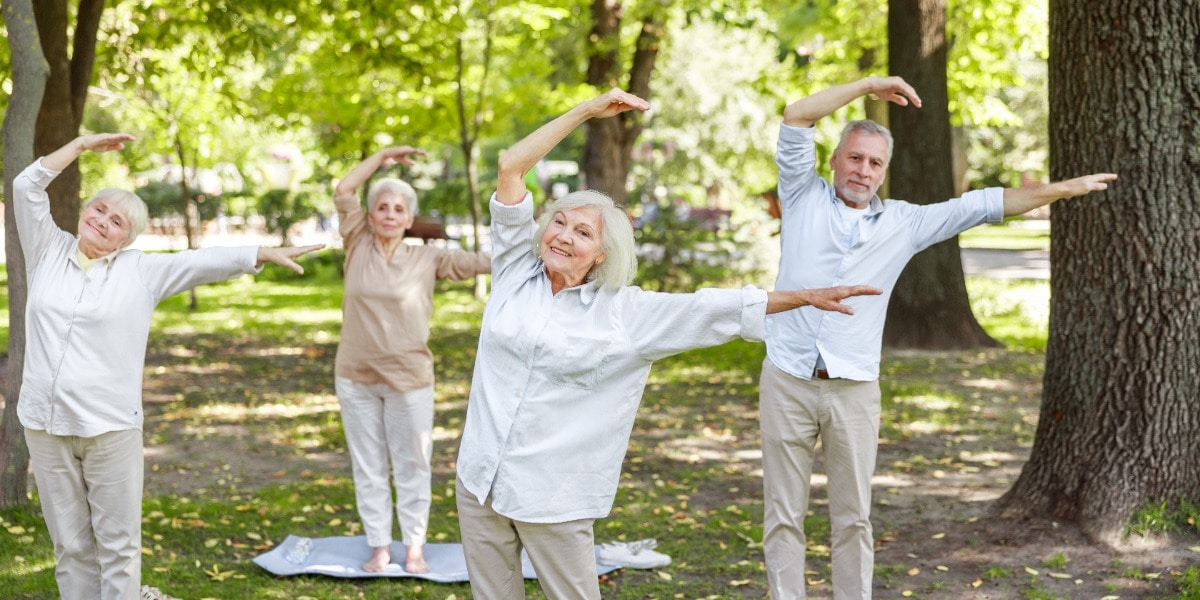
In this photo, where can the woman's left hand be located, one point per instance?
(285, 256)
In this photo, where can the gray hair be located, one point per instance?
(391, 185)
(866, 126)
(620, 264)
(128, 204)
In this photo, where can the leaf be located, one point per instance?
(914, 571)
(976, 583)
(943, 568)
(1031, 571)
(938, 536)
(665, 576)
(1059, 575)
(906, 593)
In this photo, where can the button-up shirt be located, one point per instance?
(559, 377)
(823, 248)
(389, 301)
(86, 329)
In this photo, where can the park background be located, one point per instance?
(247, 112)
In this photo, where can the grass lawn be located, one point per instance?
(1010, 235)
(244, 447)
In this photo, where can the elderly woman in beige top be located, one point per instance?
(384, 371)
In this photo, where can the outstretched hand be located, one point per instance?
(285, 256)
(104, 142)
(399, 154)
(895, 90)
(831, 298)
(1079, 186)
(614, 102)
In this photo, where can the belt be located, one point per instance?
(820, 374)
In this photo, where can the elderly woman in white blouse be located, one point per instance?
(564, 352)
(87, 323)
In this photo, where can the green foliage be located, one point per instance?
(163, 199)
(282, 208)
(1178, 516)
(1058, 561)
(683, 256)
(1016, 312)
(1189, 584)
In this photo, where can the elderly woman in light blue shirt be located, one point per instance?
(91, 299)
(564, 352)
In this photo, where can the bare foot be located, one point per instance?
(415, 561)
(379, 560)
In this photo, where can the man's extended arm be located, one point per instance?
(1024, 199)
(808, 110)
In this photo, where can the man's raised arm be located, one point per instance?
(808, 110)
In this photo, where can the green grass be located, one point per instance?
(1010, 235)
(257, 355)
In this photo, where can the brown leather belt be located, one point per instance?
(820, 374)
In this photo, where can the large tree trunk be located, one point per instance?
(29, 73)
(929, 307)
(66, 93)
(1120, 416)
(608, 151)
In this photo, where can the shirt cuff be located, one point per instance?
(754, 313)
(40, 174)
(994, 197)
(792, 133)
(512, 214)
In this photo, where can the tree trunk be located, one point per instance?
(929, 307)
(1120, 416)
(29, 73)
(607, 153)
(186, 197)
(66, 93)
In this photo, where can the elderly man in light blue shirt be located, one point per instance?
(820, 378)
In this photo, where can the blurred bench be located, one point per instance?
(426, 228)
(712, 219)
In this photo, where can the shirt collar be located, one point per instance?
(876, 206)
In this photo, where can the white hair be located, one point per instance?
(866, 126)
(128, 204)
(391, 185)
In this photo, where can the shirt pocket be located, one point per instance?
(581, 362)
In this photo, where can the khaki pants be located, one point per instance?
(91, 493)
(383, 425)
(794, 413)
(563, 554)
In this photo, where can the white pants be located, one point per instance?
(91, 494)
(794, 412)
(383, 425)
(563, 554)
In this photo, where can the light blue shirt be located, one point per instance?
(86, 327)
(559, 377)
(821, 247)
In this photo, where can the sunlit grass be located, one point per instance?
(1012, 235)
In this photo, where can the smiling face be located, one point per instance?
(390, 217)
(572, 244)
(103, 229)
(859, 166)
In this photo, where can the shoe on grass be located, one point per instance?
(635, 555)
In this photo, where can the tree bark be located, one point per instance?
(29, 73)
(929, 308)
(63, 104)
(1120, 416)
(608, 151)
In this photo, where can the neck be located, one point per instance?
(560, 281)
(389, 245)
(90, 251)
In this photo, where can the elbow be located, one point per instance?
(508, 166)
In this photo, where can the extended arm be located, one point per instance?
(1024, 199)
(284, 256)
(97, 142)
(822, 298)
(519, 159)
(363, 171)
(807, 111)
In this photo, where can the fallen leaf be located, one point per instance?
(1031, 571)
(938, 536)
(1060, 575)
(943, 568)
(665, 576)
(914, 571)
(906, 593)
(976, 583)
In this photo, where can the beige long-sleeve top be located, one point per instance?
(388, 303)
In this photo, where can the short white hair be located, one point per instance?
(391, 185)
(620, 264)
(870, 127)
(128, 204)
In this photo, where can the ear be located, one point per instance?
(600, 260)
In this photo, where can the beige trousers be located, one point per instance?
(844, 415)
(385, 426)
(91, 494)
(563, 554)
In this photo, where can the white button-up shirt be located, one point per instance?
(823, 248)
(559, 377)
(86, 330)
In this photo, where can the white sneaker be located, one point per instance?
(151, 593)
(635, 555)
